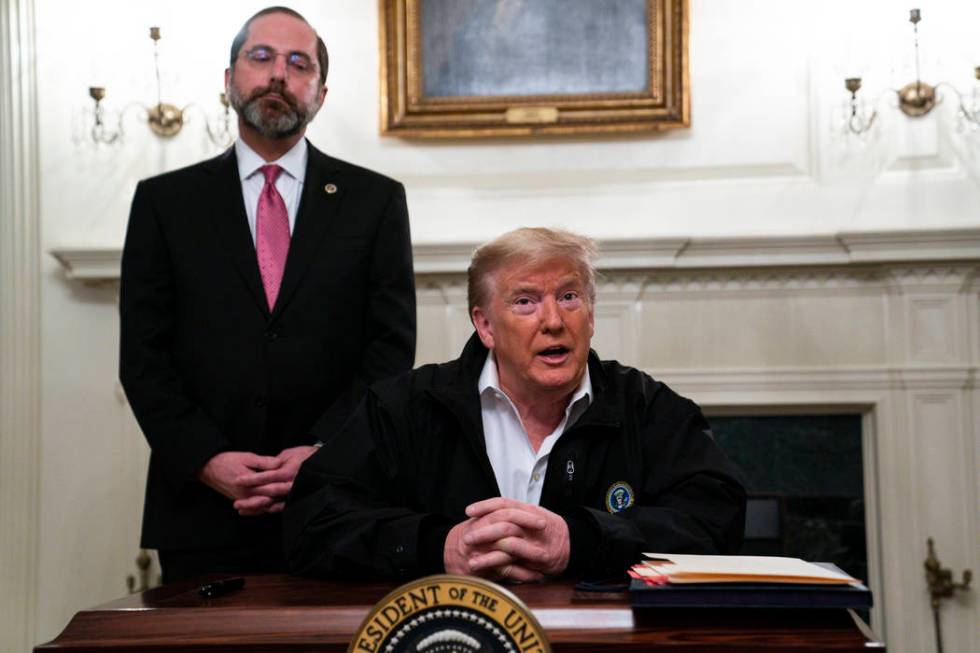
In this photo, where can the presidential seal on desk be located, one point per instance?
(450, 614)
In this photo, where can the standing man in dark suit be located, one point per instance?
(262, 291)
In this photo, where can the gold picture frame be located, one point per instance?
(416, 102)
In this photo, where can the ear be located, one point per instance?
(227, 78)
(484, 327)
(323, 94)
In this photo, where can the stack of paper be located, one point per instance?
(664, 568)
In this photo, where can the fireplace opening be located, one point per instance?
(804, 475)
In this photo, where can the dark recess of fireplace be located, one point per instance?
(805, 479)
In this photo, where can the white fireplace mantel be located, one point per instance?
(96, 264)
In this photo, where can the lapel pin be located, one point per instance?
(330, 188)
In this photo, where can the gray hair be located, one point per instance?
(529, 244)
(323, 60)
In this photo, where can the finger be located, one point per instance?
(489, 560)
(262, 509)
(523, 551)
(491, 532)
(518, 574)
(296, 454)
(253, 502)
(273, 490)
(256, 461)
(254, 513)
(253, 479)
(487, 506)
(521, 517)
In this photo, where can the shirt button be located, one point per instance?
(399, 549)
(536, 477)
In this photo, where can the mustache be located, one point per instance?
(279, 88)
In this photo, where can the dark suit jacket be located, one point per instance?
(205, 365)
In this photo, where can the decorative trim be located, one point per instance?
(945, 244)
(763, 251)
(96, 264)
(875, 378)
(19, 327)
(927, 276)
(100, 264)
(442, 258)
(766, 280)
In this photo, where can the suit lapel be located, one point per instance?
(317, 207)
(231, 223)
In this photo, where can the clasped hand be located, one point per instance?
(257, 484)
(506, 539)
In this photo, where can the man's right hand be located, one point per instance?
(226, 471)
(473, 541)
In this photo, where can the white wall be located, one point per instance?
(757, 161)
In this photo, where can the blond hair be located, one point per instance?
(529, 245)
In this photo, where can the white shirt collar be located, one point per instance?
(490, 380)
(293, 161)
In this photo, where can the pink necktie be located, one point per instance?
(271, 234)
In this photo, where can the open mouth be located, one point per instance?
(555, 354)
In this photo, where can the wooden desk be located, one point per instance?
(283, 613)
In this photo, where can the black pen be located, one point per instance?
(221, 587)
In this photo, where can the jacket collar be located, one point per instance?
(459, 392)
(231, 224)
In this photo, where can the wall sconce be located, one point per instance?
(915, 99)
(163, 118)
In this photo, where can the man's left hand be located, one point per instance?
(267, 490)
(546, 550)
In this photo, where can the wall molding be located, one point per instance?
(90, 264)
(884, 377)
(19, 328)
(100, 263)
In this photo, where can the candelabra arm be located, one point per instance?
(220, 133)
(971, 114)
(100, 134)
(857, 124)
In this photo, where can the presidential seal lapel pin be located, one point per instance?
(619, 497)
(330, 189)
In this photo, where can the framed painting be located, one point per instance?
(485, 68)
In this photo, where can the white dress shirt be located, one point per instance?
(519, 470)
(289, 183)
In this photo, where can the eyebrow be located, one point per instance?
(530, 289)
(269, 47)
(524, 290)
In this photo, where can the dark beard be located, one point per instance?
(271, 118)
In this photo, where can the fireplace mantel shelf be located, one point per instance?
(98, 264)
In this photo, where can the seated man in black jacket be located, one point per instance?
(526, 457)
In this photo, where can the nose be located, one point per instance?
(279, 68)
(551, 318)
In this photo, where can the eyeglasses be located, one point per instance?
(262, 56)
